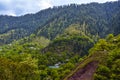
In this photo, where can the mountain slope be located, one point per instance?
(23, 25)
(52, 21)
(85, 73)
(97, 17)
(71, 41)
(102, 62)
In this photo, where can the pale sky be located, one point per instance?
(21, 7)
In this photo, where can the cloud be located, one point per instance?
(31, 6)
(8, 12)
(21, 7)
(64, 2)
(45, 4)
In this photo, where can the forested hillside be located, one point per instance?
(103, 62)
(96, 17)
(36, 58)
(70, 42)
(52, 21)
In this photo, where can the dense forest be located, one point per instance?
(52, 21)
(105, 57)
(62, 43)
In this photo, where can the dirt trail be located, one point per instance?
(85, 73)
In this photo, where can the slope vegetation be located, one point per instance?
(102, 62)
(53, 21)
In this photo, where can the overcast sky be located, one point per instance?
(21, 7)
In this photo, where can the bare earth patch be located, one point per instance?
(85, 73)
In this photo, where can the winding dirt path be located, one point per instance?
(85, 73)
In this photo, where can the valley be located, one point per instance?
(69, 42)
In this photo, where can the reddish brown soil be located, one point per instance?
(85, 73)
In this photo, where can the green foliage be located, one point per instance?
(70, 43)
(29, 63)
(109, 68)
(23, 70)
(93, 17)
(73, 30)
(96, 19)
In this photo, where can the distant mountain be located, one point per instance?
(13, 28)
(53, 21)
(97, 17)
